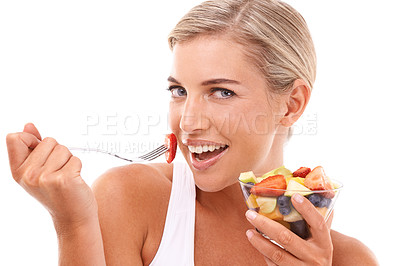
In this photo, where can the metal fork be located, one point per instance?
(157, 152)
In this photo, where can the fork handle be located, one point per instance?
(105, 152)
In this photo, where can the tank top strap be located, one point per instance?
(177, 243)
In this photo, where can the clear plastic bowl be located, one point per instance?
(280, 209)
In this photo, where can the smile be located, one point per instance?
(204, 156)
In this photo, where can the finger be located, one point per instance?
(329, 221)
(73, 167)
(40, 154)
(277, 232)
(274, 253)
(19, 146)
(318, 227)
(57, 159)
(65, 176)
(30, 128)
(269, 262)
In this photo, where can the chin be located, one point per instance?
(218, 172)
(207, 186)
(214, 182)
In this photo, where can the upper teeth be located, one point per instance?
(204, 148)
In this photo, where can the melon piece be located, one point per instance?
(248, 177)
(278, 171)
(283, 171)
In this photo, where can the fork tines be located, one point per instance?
(154, 154)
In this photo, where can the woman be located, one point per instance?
(242, 74)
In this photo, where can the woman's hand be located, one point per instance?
(317, 250)
(51, 174)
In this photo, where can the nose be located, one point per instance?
(194, 118)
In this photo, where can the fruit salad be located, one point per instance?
(270, 194)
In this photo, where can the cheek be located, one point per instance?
(174, 118)
(252, 134)
(251, 123)
(263, 123)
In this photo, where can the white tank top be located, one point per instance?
(177, 243)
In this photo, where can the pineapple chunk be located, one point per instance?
(299, 180)
(274, 215)
(252, 202)
(295, 187)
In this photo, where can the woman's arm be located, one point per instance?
(80, 244)
(133, 201)
(118, 194)
(350, 251)
(51, 174)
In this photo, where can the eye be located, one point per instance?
(221, 93)
(177, 91)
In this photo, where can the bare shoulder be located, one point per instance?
(132, 202)
(138, 175)
(132, 182)
(350, 251)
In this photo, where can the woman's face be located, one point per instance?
(221, 112)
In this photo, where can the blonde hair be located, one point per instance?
(274, 35)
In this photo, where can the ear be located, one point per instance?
(296, 102)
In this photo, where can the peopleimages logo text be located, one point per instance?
(145, 124)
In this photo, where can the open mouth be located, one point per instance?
(203, 153)
(206, 155)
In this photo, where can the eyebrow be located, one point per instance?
(219, 81)
(209, 82)
(171, 79)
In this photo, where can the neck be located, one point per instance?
(227, 201)
(274, 158)
(230, 201)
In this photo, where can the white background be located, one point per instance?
(94, 73)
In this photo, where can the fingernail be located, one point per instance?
(251, 215)
(298, 198)
(249, 234)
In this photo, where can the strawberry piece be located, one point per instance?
(317, 180)
(171, 144)
(272, 186)
(301, 172)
